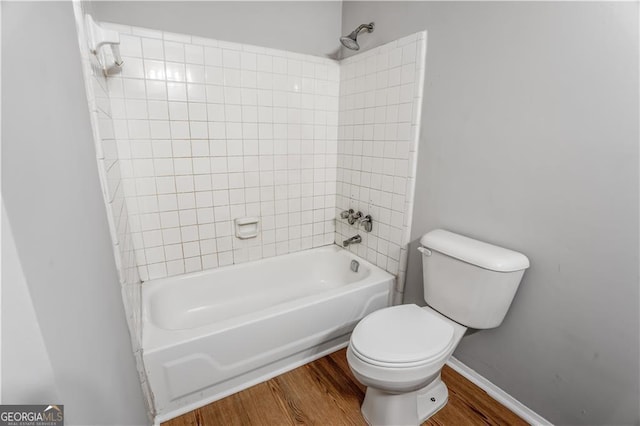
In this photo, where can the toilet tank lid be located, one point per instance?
(478, 253)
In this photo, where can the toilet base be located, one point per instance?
(412, 408)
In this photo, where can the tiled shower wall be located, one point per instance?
(209, 131)
(380, 107)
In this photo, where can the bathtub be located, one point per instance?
(210, 334)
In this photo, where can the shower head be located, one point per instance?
(351, 41)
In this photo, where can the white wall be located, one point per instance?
(52, 197)
(530, 141)
(311, 27)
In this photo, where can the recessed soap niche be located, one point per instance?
(247, 227)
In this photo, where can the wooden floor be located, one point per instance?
(325, 392)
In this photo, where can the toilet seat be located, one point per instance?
(403, 336)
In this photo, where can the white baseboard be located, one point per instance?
(498, 394)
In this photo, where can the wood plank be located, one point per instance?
(475, 403)
(325, 392)
(262, 406)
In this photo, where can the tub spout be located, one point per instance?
(353, 240)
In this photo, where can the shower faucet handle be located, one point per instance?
(347, 213)
(354, 217)
(366, 222)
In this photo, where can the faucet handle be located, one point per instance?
(354, 217)
(366, 222)
(347, 213)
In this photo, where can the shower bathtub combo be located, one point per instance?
(201, 336)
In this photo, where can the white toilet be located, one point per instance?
(398, 352)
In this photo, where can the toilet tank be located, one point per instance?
(469, 281)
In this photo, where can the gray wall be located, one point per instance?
(53, 200)
(27, 376)
(311, 27)
(530, 140)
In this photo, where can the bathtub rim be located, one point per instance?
(155, 338)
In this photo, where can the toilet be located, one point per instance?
(398, 352)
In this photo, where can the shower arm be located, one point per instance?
(369, 28)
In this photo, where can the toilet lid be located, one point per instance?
(402, 334)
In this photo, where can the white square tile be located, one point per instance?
(154, 69)
(196, 93)
(213, 56)
(175, 267)
(133, 69)
(152, 48)
(180, 129)
(195, 74)
(175, 71)
(186, 201)
(215, 94)
(194, 54)
(138, 129)
(155, 255)
(264, 63)
(176, 91)
(215, 112)
(225, 258)
(152, 238)
(201, 165)
(165, 185)
(178, 111)
(130, 46)
(169, 220)
(232, 95)
(156, 90)
(167, 202)
(205, 216)
(233, 130)
(231, 58)
(197, 111)
(159, 129)
(172, 236)
(187, 217)
(134, 89)
(279, 65)
(190, 251)
(136, 109)
(223, 229)
(209, 261)
(214, 75)
(189, 234)
(173, 51)
(198, 130)
(157, 270)
(185, 183)
(158, 110)
(248, 61)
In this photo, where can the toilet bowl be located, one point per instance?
(398, 352)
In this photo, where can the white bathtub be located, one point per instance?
(210, 334)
